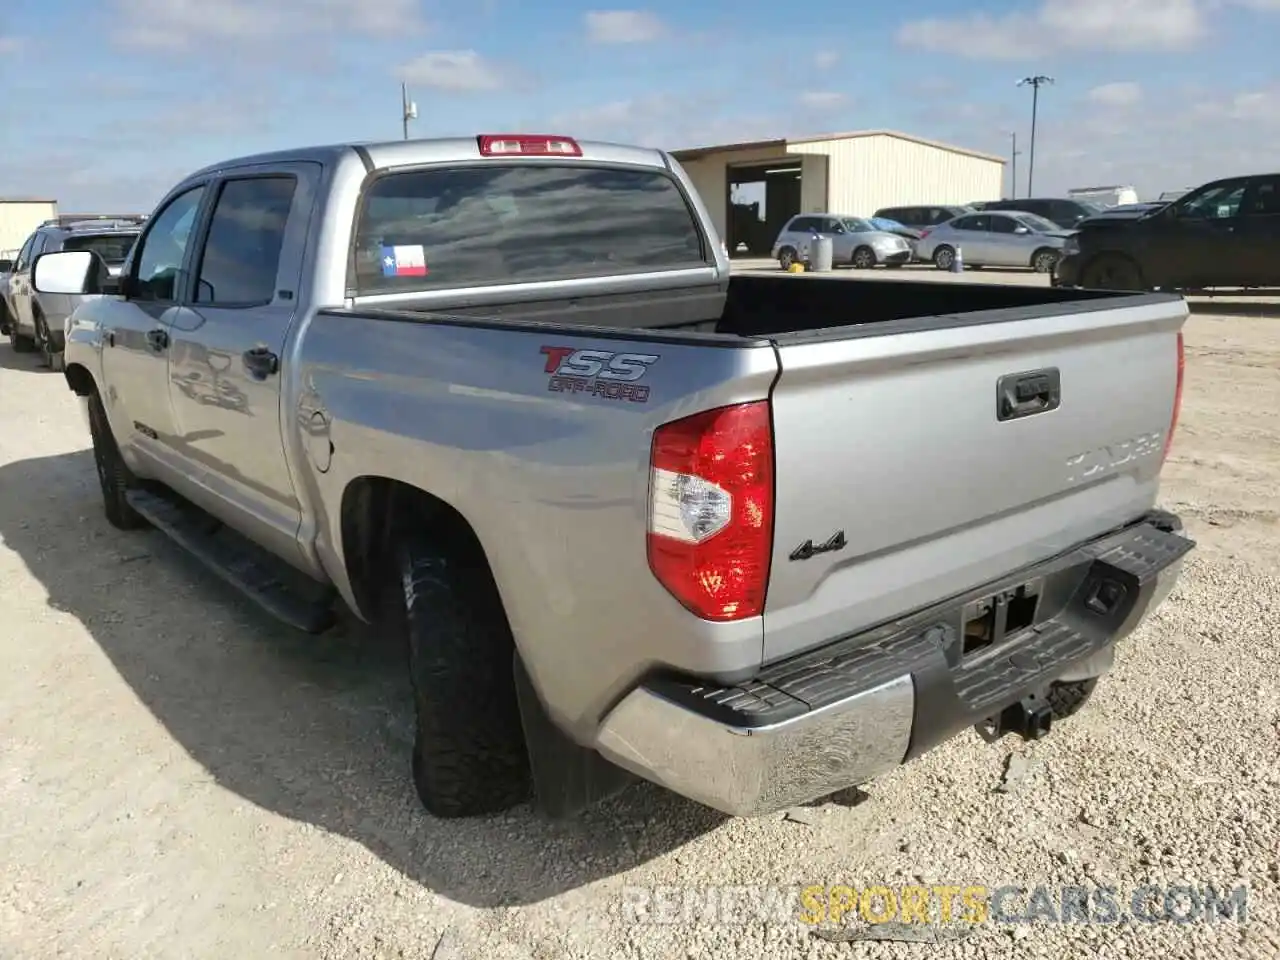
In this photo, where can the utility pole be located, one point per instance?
(1035, 83)
(408, 109)
(1013, 171)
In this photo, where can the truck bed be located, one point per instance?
(765, 306)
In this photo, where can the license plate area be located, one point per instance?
(989, 622)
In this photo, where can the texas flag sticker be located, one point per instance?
(408, 261)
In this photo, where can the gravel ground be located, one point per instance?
(181, 778)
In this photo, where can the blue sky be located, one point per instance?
(107, 102)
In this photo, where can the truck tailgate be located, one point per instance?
(901, 479)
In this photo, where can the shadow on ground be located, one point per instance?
(10, 359)
(1235, 308)
(317, 729)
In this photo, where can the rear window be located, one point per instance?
(469, 226)
(113, 247)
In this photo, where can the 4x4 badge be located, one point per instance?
(808, 549)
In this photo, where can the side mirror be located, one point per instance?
(1022, 230)
(70, 272)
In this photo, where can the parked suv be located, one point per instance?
(1223, 234)
(1067, 214)
(924, 216)
(36, 320)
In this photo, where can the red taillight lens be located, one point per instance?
(924, 233)
(1177, 397)
(711, 510)
(527, 144)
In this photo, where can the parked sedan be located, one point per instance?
(855, 242)
(996, 239)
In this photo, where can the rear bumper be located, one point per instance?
(856, 708)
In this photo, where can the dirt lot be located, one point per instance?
(179, 777)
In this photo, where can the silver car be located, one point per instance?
(36, 321)
(1004, 238)
(855, 241)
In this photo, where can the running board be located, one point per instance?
(287, 594)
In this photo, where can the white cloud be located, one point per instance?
(623, 26)
(823, 99)
(460, 71)
(826, 59)
(1122, 94)
(170, 24)
(1057, 25)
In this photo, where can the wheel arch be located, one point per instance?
(374, 511)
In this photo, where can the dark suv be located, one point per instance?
(1223, 234)
(922, 216)
(1067, 214)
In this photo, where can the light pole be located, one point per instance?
(408, 109)
(1035, 83)
(1013, 171)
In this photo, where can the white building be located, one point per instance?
(751, 189)
(18, 217)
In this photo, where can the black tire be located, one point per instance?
(1112, 272)
(864, 258)
(1045, 259)
(50, 351)
(944, 257)
(114, 475)
(469, 755)
(4, 319)
(786, 257)
(1066, 698)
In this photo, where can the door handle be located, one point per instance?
(261, 362)
(1026, 394)
(157, 339)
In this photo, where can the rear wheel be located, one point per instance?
(469, 755)
(786, 257)
(1112, 272)
(114, 475)
(944, 257)
(1044, 260)
(864, 258)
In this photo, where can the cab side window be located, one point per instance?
(1262, 199)
(241, 255)
(162, 249)
(1003, 225)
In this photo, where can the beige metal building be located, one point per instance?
(751, 189)
(18, 217)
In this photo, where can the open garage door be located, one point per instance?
(762, 198)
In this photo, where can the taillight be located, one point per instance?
(924, 233)
(1177, 397)
(527, 144)
(711, 510)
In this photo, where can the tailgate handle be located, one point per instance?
(1026, 394)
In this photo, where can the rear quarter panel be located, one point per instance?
(554, 482)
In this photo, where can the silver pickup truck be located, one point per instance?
(752, 538)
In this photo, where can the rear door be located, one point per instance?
(896, 445)
(228, 350)
(1200, 245)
